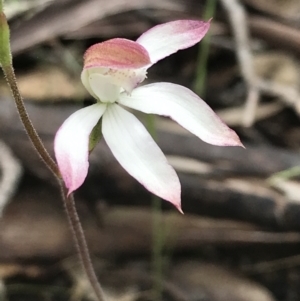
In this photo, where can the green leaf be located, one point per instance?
(95, 135)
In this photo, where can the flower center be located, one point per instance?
(106, 84)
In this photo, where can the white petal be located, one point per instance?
(185, 107)
(164, 39)
(72, 142)
(139, 155)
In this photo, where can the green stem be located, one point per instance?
(157, 248)
(201, 70)
(157, 231)
(284, 175)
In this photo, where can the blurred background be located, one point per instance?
(239, 238)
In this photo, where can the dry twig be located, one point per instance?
(256, 85)
(238, 20)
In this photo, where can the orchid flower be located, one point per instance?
(112, 71)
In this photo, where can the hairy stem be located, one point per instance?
(69, 202)
(77, 231)
(32, 134)
(81, 244)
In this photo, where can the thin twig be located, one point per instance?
(273, 265)
(290, 95)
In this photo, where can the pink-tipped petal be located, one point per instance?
(139, 155)
(71, 145)
(185, 107)
(165, 39)
(116, 54)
